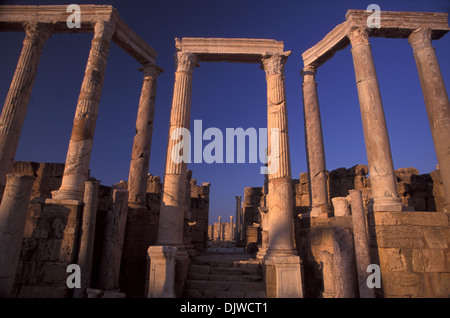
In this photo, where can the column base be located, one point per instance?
(286, 279)
(162, 271)
(322, 211)
(68, 195)
(136, 205)
(387, 204)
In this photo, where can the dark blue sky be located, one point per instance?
(225, 95)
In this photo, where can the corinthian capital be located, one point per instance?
(274, 64)
(420, 38)
(36, 32)
(185, 62)
(358, 35)
(150, 69)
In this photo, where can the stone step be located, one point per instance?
(211, 293)
(228, 286)
(221, 277)
(228, 270)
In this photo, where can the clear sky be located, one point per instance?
(225, 95)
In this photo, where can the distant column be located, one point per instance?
(140, 156)
(171, 218)
(80, 146)
(320, 205)
(220, 229)
(13, 215)
(436, 102)
(231, 228)
(16, 103)
(379, 157)
(238, 219)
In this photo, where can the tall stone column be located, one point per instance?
(80, 146)
(436, 102)
(379, 157)
(140, 156)
(281, 257)
(320, 205)
(231, 228)
(13, 215)
(219, 237)
(171, 219)
(86, 251)
(280, 198)
(16, 103)
(238, 219)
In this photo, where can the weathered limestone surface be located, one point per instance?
(314, 145)
(16, 103)
(436, 101)
(341, 206)
(13, 214)
(140, 156)
(86, 248)
(80, 146)
(344, 264)
(374, 124)
(162, 265)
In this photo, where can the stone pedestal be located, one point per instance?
(140, 156)
(344, 264)
(16, 103)
(362, 248)
(320, 205)
(381, 168)
(87, 236)
(162, 272)
(286, 281)
(341, 206)
(436, 102)
(76, 168)
(13, 214)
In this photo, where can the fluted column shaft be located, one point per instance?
(140, 156)
(379, 157)
(280, 201)
(318, 177)
(171, 219)
(80, 146)
(16, 103)
(436, 102)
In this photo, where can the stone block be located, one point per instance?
(436, 237)
(393, 259)
(430, 260)
(399, 236)
(401, 284)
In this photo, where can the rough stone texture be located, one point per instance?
(344, 264)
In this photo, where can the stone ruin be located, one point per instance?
(311, 237)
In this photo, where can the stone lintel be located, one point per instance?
(13, 18)
(396, 24)
(392, 25)
(239, 50)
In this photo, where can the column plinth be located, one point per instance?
(318, 176)
(140, 156)
(18, 97)
(76, 168)
(436, 102)
(379, 157)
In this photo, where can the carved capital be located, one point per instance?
(274, 64)
(309, 73)
(150, 69)
(185, 62)
(104, 30)
(358, 35)
(36, 32)
(420, 38)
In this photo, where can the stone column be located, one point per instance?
(85, 253)
(280, 200)
(231, 228)
(281, 256)
(362, 248)
(381, 168)
(436, 102)
(238, 219)
(171, 219)
(344, 264)
(140, 156)
(219, 238)
(13, 215)
(16, 103)
(114, 234)
(80, 146)
(318, 176)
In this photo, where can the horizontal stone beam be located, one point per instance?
(392, 25)
(13, 18)
(229, 49)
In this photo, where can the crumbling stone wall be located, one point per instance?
(200, 214)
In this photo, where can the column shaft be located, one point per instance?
(379, 157)
(436, 102)
(13, 215)
(16, 103)
(318, 176)
(140, 156)
(80, 146)
(171, 219)
(280, 200)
